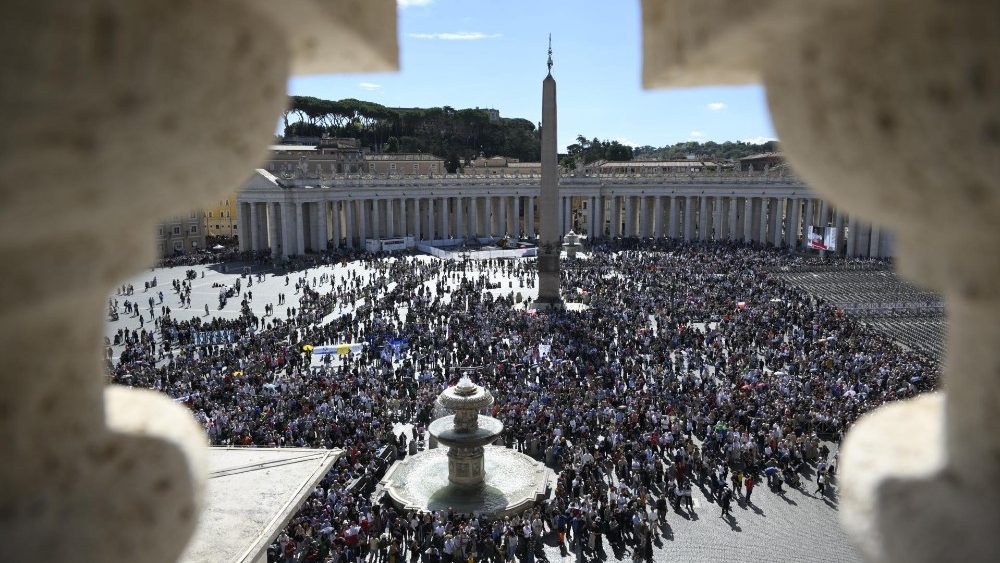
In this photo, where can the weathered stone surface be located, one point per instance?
(889, 109)
(116, 114)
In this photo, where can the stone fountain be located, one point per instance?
(466, 432)
(472, 476)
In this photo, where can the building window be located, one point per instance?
(194, 229)
(371, 167)
(194, 214)
(434, 168)
(392, 167)
(209, 214)
(416, 168)
(177, 230)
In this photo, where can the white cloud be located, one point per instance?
(417, 3)
(696, 134)
(627, 142)
(758, 140)
(369, 86)
(456, 36)
(717, 106)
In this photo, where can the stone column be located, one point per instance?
(472, 218)
(287, 230)
(658, 217)
(501, 216)
(430, 233)
(589, 205)
(777, 217)
(598, 216)
(792, 226)
(243, 218)
(403, 216)
(567, 214)
(273, 212)
(253, 233)
(531, 217)
(387, 217)
(717, 216)
(248, 227)
(335, 223)
(616, 216)
(733, 215)
(442, 213)
(363, 221)
(675, 217)
(516, 232)
(704, 219)
(688, 218)
(373, 218)
(300, 242)
(320, 227)
(488, 216)
(839, 225)
(643, 217)
(349, 223)
(755, 219)
(460, 230)
(874, 242)
(625, 215)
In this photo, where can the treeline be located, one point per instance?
(461, 135)
(444, 131)
(709, 150)
(594, 150)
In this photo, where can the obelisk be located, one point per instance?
(548, 200)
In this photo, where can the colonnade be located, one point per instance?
(295, 226)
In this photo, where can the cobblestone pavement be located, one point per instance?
(796, 527)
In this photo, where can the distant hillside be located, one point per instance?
(445, 131)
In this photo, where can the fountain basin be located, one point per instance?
(513, 482)
(444, 430)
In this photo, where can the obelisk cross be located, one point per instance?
(550, 54)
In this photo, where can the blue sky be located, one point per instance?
(491, 53)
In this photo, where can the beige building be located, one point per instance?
(403, 164)
(643, 167)
(501, 166)
(182, 235)
(314, 161)
(220, 219)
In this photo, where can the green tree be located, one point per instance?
(392, 145)
(452, 162)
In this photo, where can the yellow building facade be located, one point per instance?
(220, 219)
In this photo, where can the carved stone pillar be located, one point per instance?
(530, 217)
(658, 217)
(125, 113)
(864, 96)
(675, 217)
(335, 236)
(688, 218)
(252, 233)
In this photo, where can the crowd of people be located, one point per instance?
(691, 366)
